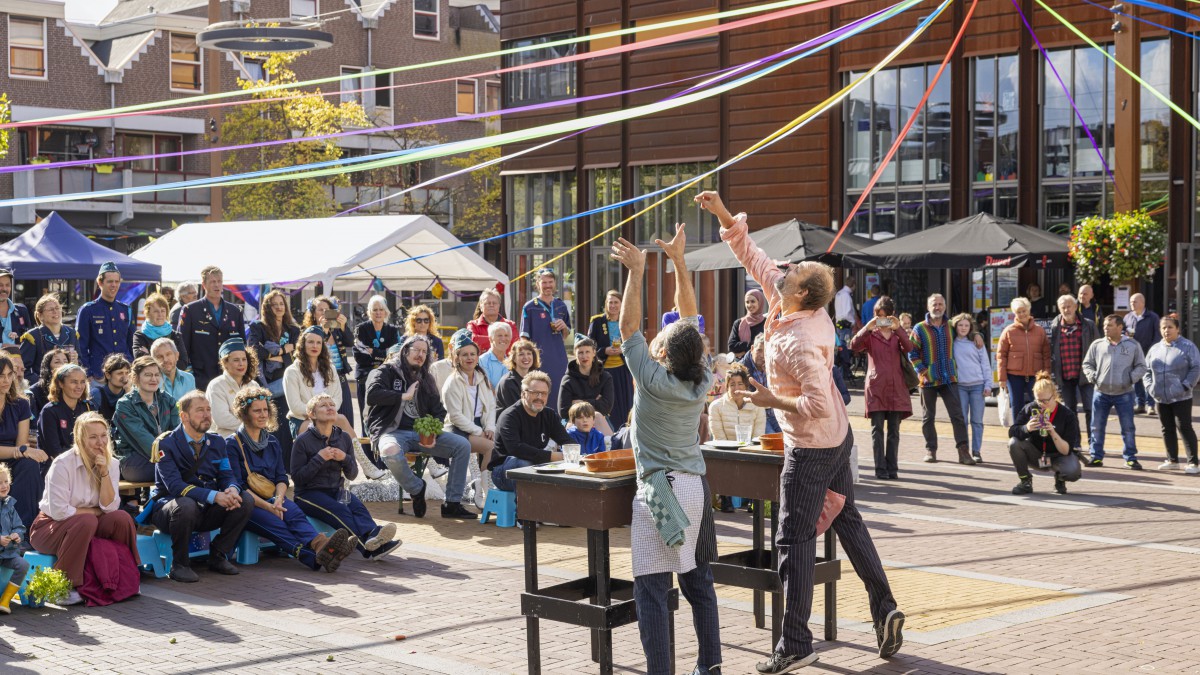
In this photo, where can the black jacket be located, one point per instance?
(519, 434)
(385, 390)
(735, 343)
(202, 337)
(143, 342)
(257, 337)
(508, 390)
(310, 471)
(575, 387)
(369, 355)
(1065, 423)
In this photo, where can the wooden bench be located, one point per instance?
(129, 489)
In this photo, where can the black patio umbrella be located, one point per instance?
(792, 240)
(977, 242)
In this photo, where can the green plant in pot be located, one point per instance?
(428, 428)
(47, 585)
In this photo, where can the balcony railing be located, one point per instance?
(362, 194)
(50, 183)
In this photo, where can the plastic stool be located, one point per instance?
(162, 541)
(321, 527)
(248, 546)
(152, 559)
(35, 561)
(502, 504)
(736, 502)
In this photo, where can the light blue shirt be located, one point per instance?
(494, 368)
(184, 382)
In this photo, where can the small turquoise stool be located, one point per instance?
(322, 527)
(152, 558)
(736, 502)
(502, 504)
(35, 561)
(248, 546)
(162, 542)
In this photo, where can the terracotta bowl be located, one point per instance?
(613, 460)
(772, 442)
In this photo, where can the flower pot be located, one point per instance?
(104, 168)
(427, 440)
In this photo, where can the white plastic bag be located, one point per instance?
(1003, 409)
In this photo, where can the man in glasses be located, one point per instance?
(529, 433)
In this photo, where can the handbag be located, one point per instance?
(259, 484)
(911, 381)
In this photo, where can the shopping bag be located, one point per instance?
(1003, 409)
(833, 506)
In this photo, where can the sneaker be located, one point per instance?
(184, 574)
(715, 670)
(73, 598)
(437, 470)
(220, 565)
(456, 511)
(1025, 487)
(1169, 465)
(785, 663)
(1139, 410)
(418, 502)
(385, 549)
(1153, 412)
(1133, 464)
(1093, 461)
(1060, 486)
(977, 457)
(386, 533)
(1192, 469)
(931, 457)
(890, 634)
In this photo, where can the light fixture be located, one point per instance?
(287, 36)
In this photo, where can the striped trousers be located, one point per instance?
(807, 473)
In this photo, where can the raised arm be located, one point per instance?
(736, 233)
(634, 259)
(685, 292)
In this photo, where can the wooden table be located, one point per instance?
(598, 505)
(755, 476)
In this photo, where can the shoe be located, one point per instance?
(220, 565)
(384, 549)
(437, 470)
(335, 550)
(386, 533)
(1133, 464)
(6, 597)
(1169, 465)
(881, 476)
(890, 634)
(893, 476)
(726, 505)
(480, 494)
(785, 663)
(1093, 461)
(715, 670)
(183, 574)
(1060, 486)
(455, 511)
(977, 457)
(1153, 412)
(1025, 487)
(931, 456)
(1192, 468)
(964, 457)
(73, 598)
(418, 502)
(369, 469)
(1139, 410)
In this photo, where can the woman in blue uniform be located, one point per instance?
(51, 334)
(27, 465)
(607, 335)
(545, 320)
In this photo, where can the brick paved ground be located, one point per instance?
(1102, 580)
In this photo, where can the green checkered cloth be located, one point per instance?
(669, 518)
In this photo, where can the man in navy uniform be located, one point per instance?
(195, 490)
(206, 324)
(14, 317)
(104, 325)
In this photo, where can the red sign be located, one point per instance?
(989, 261)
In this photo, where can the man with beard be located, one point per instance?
(934, 363)
(524, 432)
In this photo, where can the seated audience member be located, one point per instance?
(104, 396)
(471, 406)
(582, 428)
(522, 358)
(51, 334)
(755, 363)
(14, 354)
(175, 381)
(142, 416)
(252, 449)
(1045, 435)
(322, 460)
(239, 369)
(620, 440)
(372, 340)
(12, 535)
(399, 393)
(732, 409)
(81, 505)
(493, 360)
(27, 465)
(39, 392)
(68, 400)
(194, 489)
(586, 381)
(528, 432)
(275, 339)
(720, 367)
(323, 312)
(157, 326)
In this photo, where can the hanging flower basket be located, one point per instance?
(104, 168)
(1126, 247)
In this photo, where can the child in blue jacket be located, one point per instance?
(583, 430)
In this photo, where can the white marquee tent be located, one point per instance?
(337, 251)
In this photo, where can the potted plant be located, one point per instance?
(428, 428)
(39, 160)
(104, 168)
(47, 585)
(1126, 247)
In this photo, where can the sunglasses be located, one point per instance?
(422, 319)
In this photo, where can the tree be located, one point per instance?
(480, 217)
(433, 200)
(298, 114)
(5, 116)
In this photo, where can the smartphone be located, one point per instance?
(884, 322)
(331, 315)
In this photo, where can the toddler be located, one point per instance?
(12, 534)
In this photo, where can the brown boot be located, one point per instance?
(964, 456)
(931, 456)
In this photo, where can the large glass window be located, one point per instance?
(536, 85)
(26, 47)
(349, 86)
(912, 193)
(425, 18)
(1156, 116)
(604, 189)
(994, 135)
(186, 68)
(534, 199)
(681, 208)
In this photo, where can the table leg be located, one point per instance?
(598, 569)
(830, 589)
(760, 608)
(776, 598)
(532, 632)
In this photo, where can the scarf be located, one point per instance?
(257, 446)
(155, 332)
(751, 320)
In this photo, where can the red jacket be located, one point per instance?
(885, 390)
(479, 333)
(110, 573)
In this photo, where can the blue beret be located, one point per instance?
(109, 267)
(233, 344)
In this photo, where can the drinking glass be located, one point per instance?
(570, 453)
(743, 432)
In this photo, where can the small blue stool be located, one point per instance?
(503, 505)
(152, 558)
(321, 527)
(248, 546)
(35, 561)
(736, 502)
(162, 542)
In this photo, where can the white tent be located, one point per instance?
(346, 252)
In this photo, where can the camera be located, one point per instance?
(331, 315)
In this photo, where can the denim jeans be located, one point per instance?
(1020, 392)
(970, 399)
(1141, 397)
(500, 474)
(1078, 391)
(654, 619)
(453, 447)
(1101, 405)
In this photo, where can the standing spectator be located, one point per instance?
(528, 432)
(755, 362)
(141, 417)
(1172, 370)
(886, 395)
(545, 320)
(1112, 365)
(726, 413)
(187, 292)
(844, 318)
(1039, 308)
(906, 323)
(500, 336)
(1142, 325)
(239, 369)
(27, 465)
(323, 311)
(586, 381)
(422, 321)
(155, 327)
(105, 395)
(14, 317)
(1070, 336)
(206, 324)
(1087, 308)
(372, 340)
(68, 400)
(1044, 434)
(974, 378)
(749, 326)
(1023, 352)
(194, 489)
(51, 334)
(868, 307)
(522, 358)
(606, 333)
(471, 405)
(274, 338)
(176, 382)
(933, 360)
(104, 325)
(39, 392)
(487, 314)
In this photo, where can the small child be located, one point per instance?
(12, 533)
(583, 429)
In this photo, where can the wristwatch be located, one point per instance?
(22, 449)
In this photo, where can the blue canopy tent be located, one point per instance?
(53, 249)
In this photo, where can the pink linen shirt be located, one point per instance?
(799, 354)
(69, 487)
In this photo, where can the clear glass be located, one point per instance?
(743, 432)
(570, 452)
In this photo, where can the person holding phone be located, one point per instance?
(1044, 434)
(885, 344)
(546, 320)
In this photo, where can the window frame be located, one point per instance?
(356, 83)
(45, 76)
(172, 61)
(316, 4)
(437, 21)
(535, 76)
(474, 97)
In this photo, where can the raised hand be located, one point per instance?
(678, 244)
(628, 255)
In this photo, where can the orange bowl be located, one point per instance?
(772, 442)
(613, 460)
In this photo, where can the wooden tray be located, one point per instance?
(581, 471)
(758, 450)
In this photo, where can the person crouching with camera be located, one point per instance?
(1045, 435)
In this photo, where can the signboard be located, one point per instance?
(999, 318)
